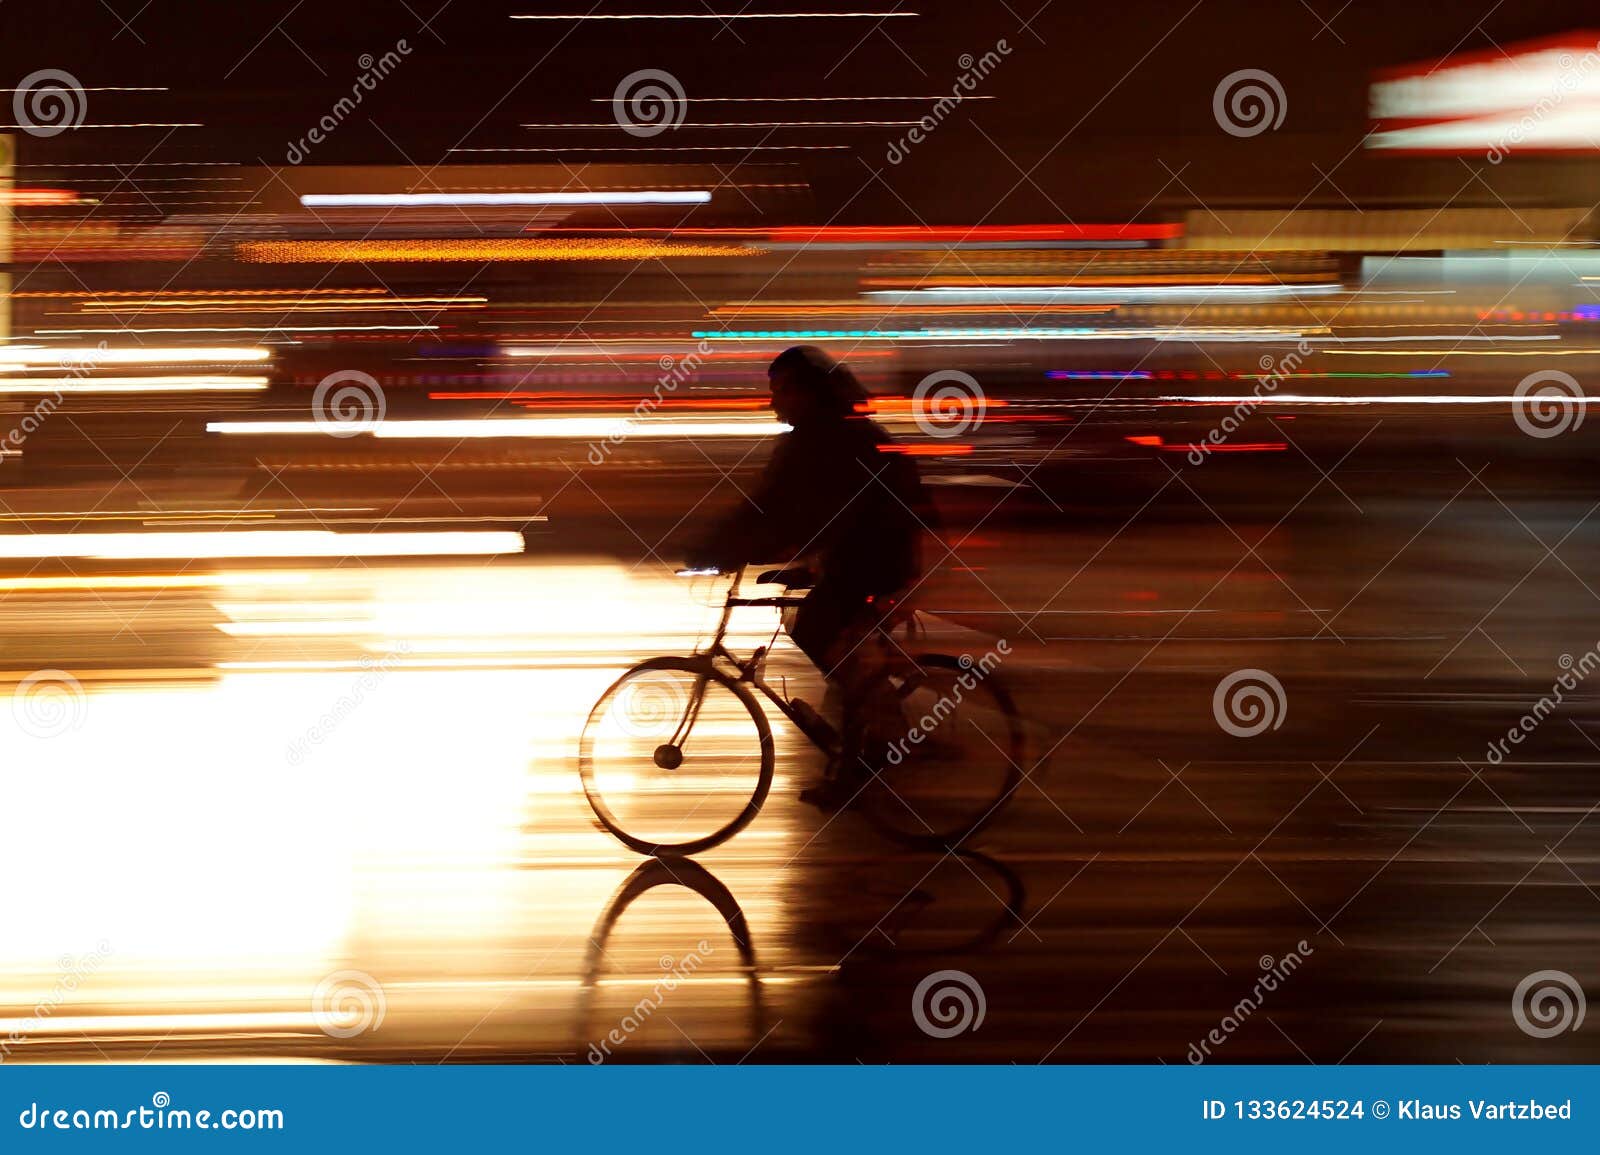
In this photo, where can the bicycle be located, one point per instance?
(937, 737)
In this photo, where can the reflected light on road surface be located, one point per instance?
(236, 841)
(257, 543)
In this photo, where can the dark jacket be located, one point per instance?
(831, 494)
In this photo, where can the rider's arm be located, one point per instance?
(762, 526)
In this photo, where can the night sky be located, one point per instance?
(1102, 112)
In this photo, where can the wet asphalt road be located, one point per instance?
(331, 811)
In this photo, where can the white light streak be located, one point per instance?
(414, 200)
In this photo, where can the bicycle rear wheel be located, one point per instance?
(945, 747)
(675, 758)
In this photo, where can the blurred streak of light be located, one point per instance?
(939, 449)
(486, 249)
(632, 350)
(798, 99)
(100, 88)
(533, 612)
(742, 124)
(1000, 282)
(1217, 375)
(145, 182)
(718, 16)
(287, 328)
(258, 299)
(405, 200)
(157, 514)
(112, 1025)
(226, 1023)
(180, 295)
(1154, 441)
(671, 148)
(914, 405)
(1196, 335)
(257, 543)
(387, 519)
(163, 581)
(1463, 352)
(134, 124)
(1021, 294)
(1345, 399)
(393, 869)
(559, 401)
(36, 197)
(541, 427)
(913, 234)
(801, 309)
(100, 355)
(130, 165)
(1481, 338)
(396, 306)
(153, 384)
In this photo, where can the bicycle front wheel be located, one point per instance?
(675, 758)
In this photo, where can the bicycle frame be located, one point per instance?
(749, 669)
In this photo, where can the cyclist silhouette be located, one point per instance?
(837, 497)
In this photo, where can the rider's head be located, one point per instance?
(809, 385)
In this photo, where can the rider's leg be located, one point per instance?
(828, 628)
(832, 630)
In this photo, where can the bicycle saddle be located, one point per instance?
(795, 578)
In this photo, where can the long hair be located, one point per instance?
(831, 382)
